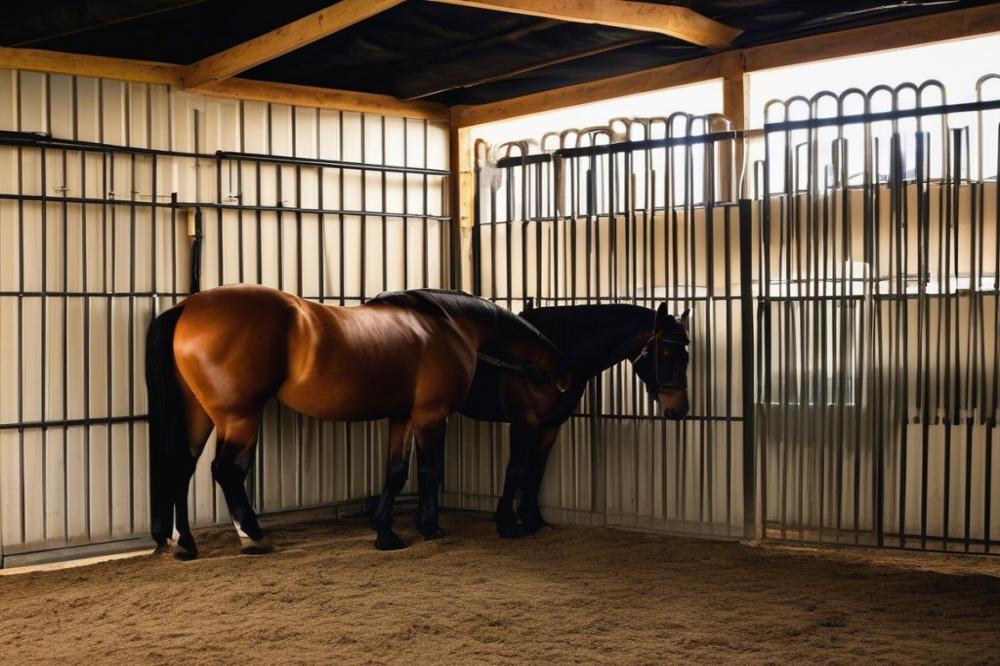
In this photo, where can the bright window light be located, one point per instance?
(699, 99)
(958, 65)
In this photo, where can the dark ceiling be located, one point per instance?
(443, 53)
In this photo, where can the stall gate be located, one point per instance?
(598, 219)
(844, 357)
(878, 367)
(114, 204)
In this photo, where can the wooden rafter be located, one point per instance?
(278, 42)
(679, 22)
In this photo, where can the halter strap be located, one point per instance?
(655, 339)
(500, 363)
(519, 369)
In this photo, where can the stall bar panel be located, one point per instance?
(99, 217)
(879, 319)
(643, 220)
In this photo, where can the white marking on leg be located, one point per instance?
(176, 535)
(239, 530)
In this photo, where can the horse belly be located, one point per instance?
(348, 394)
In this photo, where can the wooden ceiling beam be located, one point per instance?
(278, 42)
(679, 22)
(57, 62)
(158, 73)
(324, 98)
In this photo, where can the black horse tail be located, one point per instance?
(167, 433)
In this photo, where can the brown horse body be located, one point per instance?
(215, 360)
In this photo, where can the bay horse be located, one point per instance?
(215, 359)
(592, 338)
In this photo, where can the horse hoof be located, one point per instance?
(511, 531)
(261, 546)
(389, 541)
(162, 549)
(185, 549)
(431, 532)
(533, 525)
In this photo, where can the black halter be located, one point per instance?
(658, 383)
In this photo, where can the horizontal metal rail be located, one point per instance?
(880, 116)
(96, 201)
(42, 140)
(623, 147)
(330, 164)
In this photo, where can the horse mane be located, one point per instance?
(565, 324)
(440, 301)
(458, 303)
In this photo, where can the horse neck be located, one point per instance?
(612, 339)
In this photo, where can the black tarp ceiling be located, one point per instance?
(438, 52)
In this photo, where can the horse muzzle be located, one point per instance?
(674, 403)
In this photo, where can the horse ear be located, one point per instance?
(661, 315)
(685, 321)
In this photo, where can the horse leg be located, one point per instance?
(233, 454)
(430, 470)
(198, 427)
(397, 469)
(186, 549)
(539, 444)
(505, 517)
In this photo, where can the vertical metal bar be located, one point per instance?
(747, 370)
(109, 285)
(923, 321)
(85, 283)
(424, 256)
(43, 375)
(238, 164)
(300, 291)
(406, 211)
(20, 316)
(385, 229)
(131, 338)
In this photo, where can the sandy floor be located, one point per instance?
(571, 594)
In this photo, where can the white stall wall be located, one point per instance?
(81, 278)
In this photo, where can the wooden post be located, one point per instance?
(734, 106)
(462, 204)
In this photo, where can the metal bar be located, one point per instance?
(868, 118)
(42, 140)
(747, 369)
(594, 150)
(223, 206)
